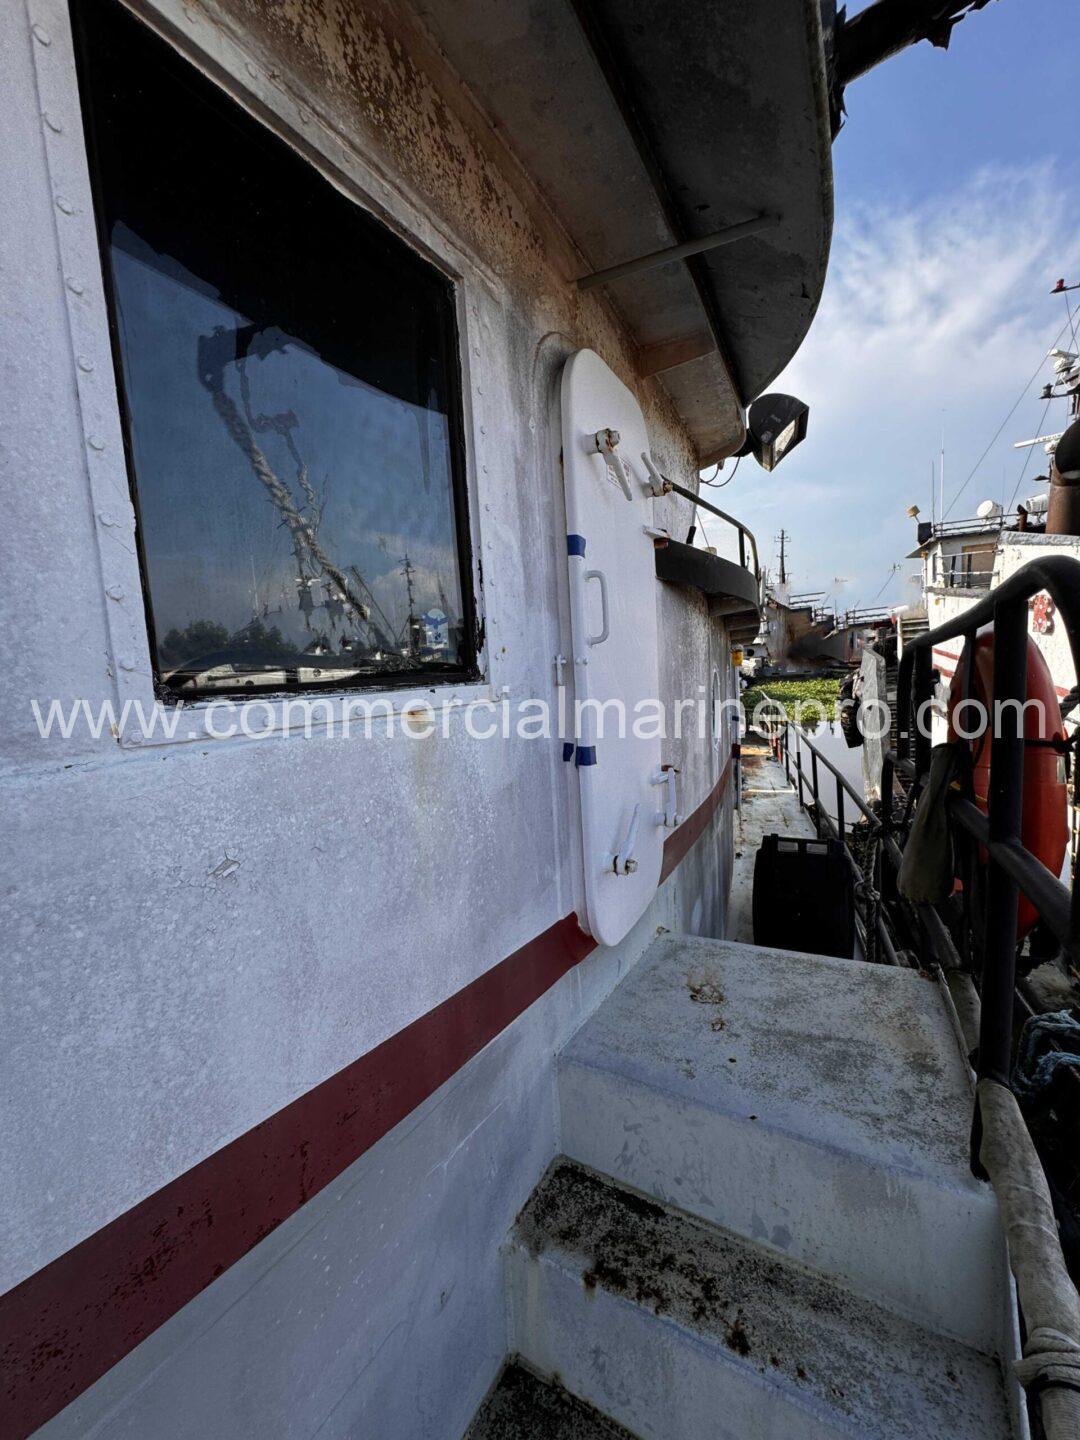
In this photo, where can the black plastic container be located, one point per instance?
(804, 896)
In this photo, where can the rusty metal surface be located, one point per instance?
(532, 164)
(375, 73)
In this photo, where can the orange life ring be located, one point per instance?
(1044, 827)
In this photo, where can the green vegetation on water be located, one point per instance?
(814, 699)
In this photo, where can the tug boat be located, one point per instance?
(385, 1056)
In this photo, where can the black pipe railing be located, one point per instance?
(873, 931)
(1003, 1149)
(1012, 868)
(745, 534)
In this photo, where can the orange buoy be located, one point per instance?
(1044, 828)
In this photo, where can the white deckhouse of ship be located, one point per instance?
(403, 1081)
(963, 558)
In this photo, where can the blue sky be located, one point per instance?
(957, 180)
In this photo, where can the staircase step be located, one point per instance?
(818, 1106)
(680, 1331)
(524, 1407)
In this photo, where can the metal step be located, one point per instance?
(681, 1331)
(524, 1407)
(820, 1107)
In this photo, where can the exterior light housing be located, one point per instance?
(775, 424)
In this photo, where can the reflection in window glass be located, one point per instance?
(290, 381)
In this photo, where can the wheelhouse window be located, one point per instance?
(291, 397)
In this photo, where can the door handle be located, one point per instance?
(657, 484)
(606, 444)
(667, 776)
(624, 863)
(605, 626)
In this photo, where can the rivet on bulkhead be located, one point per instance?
(106, 518)
(75, 286)
(115, 592)
(62, 203)
(53, 124)
(126, 663)
(96, 443)
(251, 70)
(40, 34)
(85, 363)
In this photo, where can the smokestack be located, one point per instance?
(1063, 515)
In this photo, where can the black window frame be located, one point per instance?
(191, 75)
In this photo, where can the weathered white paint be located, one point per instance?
(1014, 550)
(158, 1001)
(613, 617)
(683, 1331)
(818, 1107)
(380, 1308)
(1017, 549)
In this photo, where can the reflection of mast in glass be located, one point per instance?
(381, 633)
(414, 626)
(215, 352)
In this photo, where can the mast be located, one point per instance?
(412, 623)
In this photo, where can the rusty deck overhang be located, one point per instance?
(646, 125)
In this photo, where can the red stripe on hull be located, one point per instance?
(68, 1324)
(679, 842)
(73, 1320)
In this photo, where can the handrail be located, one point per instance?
(947, 576)
(945, 529)
(866, 615)
(745, 533)
(874, 932)
(1013, 868)
(1002, 1148)
(1060, 574)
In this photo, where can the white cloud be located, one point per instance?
(937, 312)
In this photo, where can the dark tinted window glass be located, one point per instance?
(289, 370)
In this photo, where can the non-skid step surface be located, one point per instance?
(818, 1106)
(859, 1056)
(679, 1329)
(524, 1407)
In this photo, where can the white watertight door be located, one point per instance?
(627, 802)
